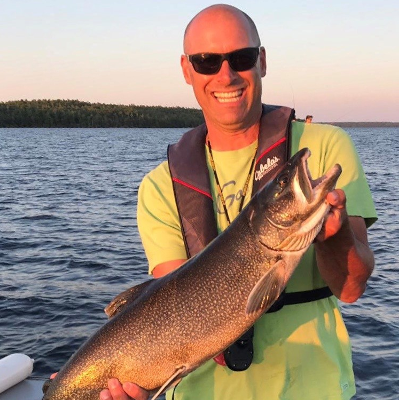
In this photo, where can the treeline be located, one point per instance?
(80, 114)
(377, 124)
(365, 124)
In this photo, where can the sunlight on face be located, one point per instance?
(230, 100)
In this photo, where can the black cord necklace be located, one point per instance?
(245, 187)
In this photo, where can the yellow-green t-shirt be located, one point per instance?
(302, 351)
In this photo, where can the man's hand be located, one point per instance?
(116, 391)
(344, 258)
(126, 391)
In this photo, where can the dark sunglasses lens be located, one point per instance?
(243, 60)
(206, 64)
(210, 63)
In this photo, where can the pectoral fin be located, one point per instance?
(121, 301)
(267, 289)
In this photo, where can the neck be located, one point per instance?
(225, 141)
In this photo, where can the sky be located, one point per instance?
(337, 60)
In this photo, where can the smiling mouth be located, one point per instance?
(228, 97)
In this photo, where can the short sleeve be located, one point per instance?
(352, 180)
(158, 219)
(331, 145)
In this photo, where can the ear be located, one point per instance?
(263, 61)
(185, 64)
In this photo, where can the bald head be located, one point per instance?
(213, 19)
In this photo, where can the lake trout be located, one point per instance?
(165, 328)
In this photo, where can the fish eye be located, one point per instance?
(283, 179)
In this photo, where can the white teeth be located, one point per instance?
(225, 97)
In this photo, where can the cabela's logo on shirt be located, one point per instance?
(265, 168)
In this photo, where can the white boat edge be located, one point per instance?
(28, 389)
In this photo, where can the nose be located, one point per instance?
(226, 73)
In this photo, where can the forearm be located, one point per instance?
(345, 261)
(165, 268)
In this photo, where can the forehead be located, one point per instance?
(218, 32)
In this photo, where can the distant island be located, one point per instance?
(364, 124)
(81, 114)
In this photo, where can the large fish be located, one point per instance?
(163, 329)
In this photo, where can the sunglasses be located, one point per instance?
(210, 63)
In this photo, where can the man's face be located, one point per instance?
(230, 100)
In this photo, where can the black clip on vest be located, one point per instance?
(239, 355)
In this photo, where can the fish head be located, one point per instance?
(290, 210)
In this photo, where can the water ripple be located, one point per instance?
(69, 242)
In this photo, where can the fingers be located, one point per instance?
(337, 198)
(337, 214)
(127, 391)
(47, 382)
(114, 391)
(105, 395)
(135, 391)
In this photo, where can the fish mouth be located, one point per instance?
(310, 199)
(314, 189)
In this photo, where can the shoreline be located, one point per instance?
(80, 114)
(339, 124)
(376, 124)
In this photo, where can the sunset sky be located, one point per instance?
(337, 60)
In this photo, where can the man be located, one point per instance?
(309, 119)
(301, 351)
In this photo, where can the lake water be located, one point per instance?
(69, 242)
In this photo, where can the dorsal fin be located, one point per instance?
(121, 301)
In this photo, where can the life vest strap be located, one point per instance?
(239, 355)
(306, 296)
